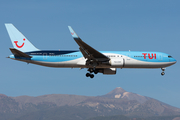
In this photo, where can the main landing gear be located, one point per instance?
(163, 69)
(91, 70)
(89, 75)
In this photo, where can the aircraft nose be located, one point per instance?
(173, 60)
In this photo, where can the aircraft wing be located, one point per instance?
(87, 51)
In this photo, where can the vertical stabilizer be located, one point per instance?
(19, 41)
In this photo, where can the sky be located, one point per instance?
(117, 25)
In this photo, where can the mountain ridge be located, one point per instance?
(116, 102)
(121, 93)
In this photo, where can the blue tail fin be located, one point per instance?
(19, 41)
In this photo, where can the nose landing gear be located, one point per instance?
(162, 73)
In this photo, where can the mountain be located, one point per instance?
(130, 104)
(57, 99)
(75, 107)
(122, 94)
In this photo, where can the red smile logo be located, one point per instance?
(18, 45)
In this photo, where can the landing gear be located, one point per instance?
(163, 69)
(89, 75)
(162, 73)
(91, 70)
(95, 72)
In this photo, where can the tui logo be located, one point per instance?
(18, 45)
(150, 56)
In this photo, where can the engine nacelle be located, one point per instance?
(109, 71)
(116, 62)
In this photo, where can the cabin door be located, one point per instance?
(44, 56)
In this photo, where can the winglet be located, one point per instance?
(73, 33)
(86, 50)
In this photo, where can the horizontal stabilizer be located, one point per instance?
(19, 53)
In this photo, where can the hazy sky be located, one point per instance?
(105, 25)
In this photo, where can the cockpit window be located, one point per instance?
(169, 56)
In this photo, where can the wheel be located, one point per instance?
(96, 72)
(163, 69)
(91, 70)
(91, 76)
(87, 74)
(162, 73)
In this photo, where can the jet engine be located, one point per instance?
(116, 62)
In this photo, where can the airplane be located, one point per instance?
(95, 61)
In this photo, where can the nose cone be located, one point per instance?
(173, 60)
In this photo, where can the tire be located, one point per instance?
(87, 74)
(96, 72)
(162, 73)
(91, 76)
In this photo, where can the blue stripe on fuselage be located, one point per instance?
(57, 56)
(52, 52)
